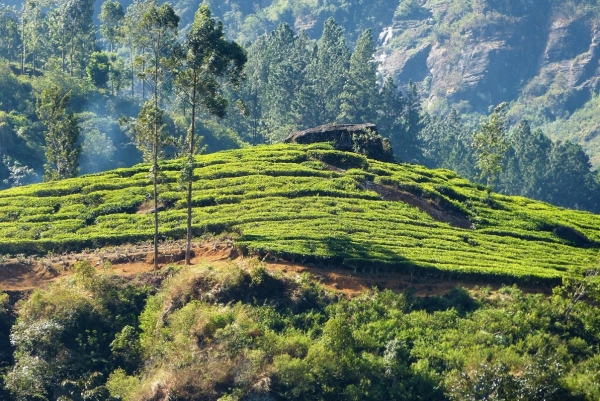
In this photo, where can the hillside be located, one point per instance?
(542, 58)
(312, 204)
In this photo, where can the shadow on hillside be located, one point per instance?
(373, 262)
(378, 262)
(339, 251)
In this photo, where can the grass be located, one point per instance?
(284, 200)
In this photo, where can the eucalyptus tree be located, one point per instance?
(159, 28)
(157, 38)
(33, 31)
(132, 36)
(81, 32)
(61, 135)
(10, 39)
(73, 32)
(209, 62)
(490, 144)
(111, 17)
(58, 23)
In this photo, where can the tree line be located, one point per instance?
(107, 73)
(194, 69)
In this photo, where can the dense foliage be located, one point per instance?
(233, 334)
(7, 319)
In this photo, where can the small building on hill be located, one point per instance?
(358, 138)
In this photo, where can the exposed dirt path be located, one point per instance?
(23, 274)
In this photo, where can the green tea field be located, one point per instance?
(312, 204)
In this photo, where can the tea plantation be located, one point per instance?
(311, 203)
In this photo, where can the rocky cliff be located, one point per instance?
(541, 57)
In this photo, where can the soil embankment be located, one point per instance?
(23, 274)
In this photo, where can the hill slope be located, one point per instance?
(311, 203)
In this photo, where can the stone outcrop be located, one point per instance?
(359, 138)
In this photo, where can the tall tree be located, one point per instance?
(210, 62)
(527, 162)
(445, 142)
(58, 24)
(10, 39)
(33, 30)
(490, 144)
(569, 179)
(389, 108)
(412, 124)
(150, 135)
(61, 135)
(276, 73)
(252, 90)
(132, 36)
(159, 26)
(318, 101)
(286, 58)
(359, 98)
(74, 33)
(111, 16)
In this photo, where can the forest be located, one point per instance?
(104, 69)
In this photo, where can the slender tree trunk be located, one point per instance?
(155, 152)
(71, 59)
(155, 183)
(188, 250)
(143, 80)
(23, 42)
(132, 72)
(155, 194)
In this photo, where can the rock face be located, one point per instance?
(542, 57)
(359, 138)
(484, 62)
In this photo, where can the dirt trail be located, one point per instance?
(23, 274)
